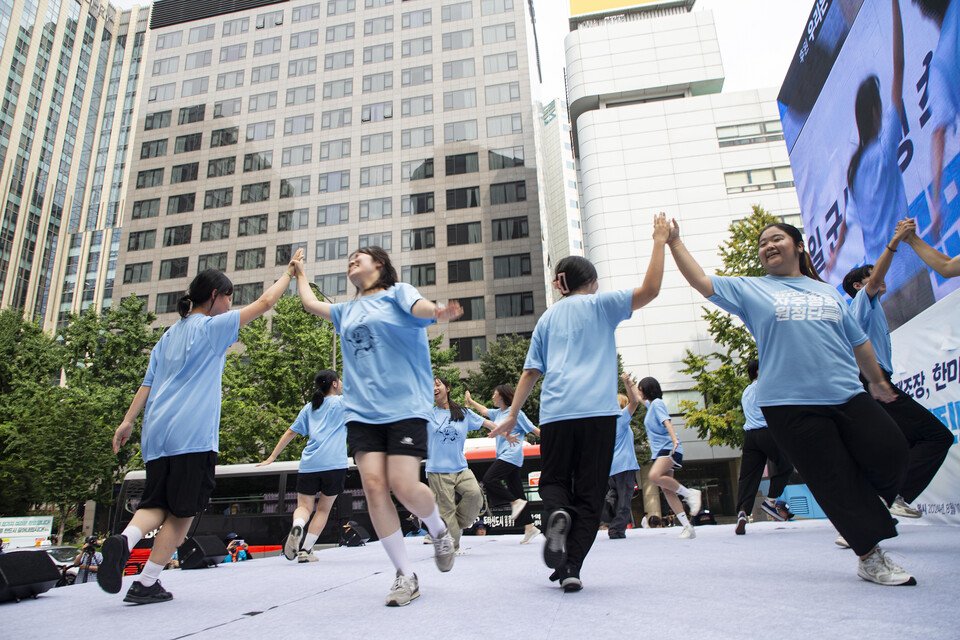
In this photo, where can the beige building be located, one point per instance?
(269, 126)
(72, 72)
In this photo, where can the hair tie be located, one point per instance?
(187, 298)
(560, 284)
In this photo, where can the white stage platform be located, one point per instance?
(781, 580)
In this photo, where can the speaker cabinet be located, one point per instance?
(26, 574)
(201, 551)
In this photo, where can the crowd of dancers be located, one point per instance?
(820, 401)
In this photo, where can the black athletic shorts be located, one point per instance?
(676, 457)
(180, 484)
(401, 438)
(329, 483)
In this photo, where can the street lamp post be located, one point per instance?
(317, 289)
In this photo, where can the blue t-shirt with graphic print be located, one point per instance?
(445, 440)
(657, 434)
(387, 375)
(873, 321)
(805, 336)
(327, 445)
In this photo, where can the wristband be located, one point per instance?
(892, 250)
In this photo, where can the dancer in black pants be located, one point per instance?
(759, 447)
(845, 446)
(573, 345)
(929, 439)
(502, 482)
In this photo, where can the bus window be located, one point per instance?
(244, 495)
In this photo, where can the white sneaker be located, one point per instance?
(841, 542)
(460, 552)
(879, 568)
(694, 500)
(443, 551)
(900, 508)
(530, 535)
(292, 544)
(403, 591)
(306, 556)
(517, 507)
(688, 532)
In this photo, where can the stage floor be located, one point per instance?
(782, 580)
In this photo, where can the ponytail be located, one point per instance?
(321, 386)
(867, 101)
(201, 290)
(456, 411)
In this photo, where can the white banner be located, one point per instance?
(26, 530)
(926, 360)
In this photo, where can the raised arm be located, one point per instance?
(285, 439)
(691, 271)
(479, 408)
(269, 298)
(307, 297)
(633, 393)
(123, 432)
(943, 264)
(882, 265)
(654, 277)
(896, 87)
(877, 383)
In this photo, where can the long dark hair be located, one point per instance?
(806, 264)
(202, 288)
(573, 273)
(506, 392)
(321, 386)
(456, 411)
(936, 10)
(388, 275)
(867, 102)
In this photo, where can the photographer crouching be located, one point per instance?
(88, 560)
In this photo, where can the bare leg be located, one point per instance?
(373, 477)
(170, 536)
(319, 520)
(661, 475)
(148, 519)
(304, 507)
(404, 479)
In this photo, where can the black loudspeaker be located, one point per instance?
(353, 535)
(201, 551)
(26, 574)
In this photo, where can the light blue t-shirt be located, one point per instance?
(573, 344)
(805, 335)
(869, 314)
(387, 374)
(751, 410)
(185, 375)
(327, 432)
(945, 71)
(877, 187)
(512, 453)
(657, 434)
(624, 453)
(445, 440)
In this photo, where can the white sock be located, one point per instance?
(682, 491)
(308, 541)
(397, 551)
(682, 519)
(150, 574)
(300, 522)
(134, 535)
(435, 524)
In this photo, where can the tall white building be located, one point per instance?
(267, 126)
(72, 75)
(652, 133)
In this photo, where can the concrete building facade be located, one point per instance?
(269, 126)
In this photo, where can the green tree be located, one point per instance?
(502, 364)
(721, 376)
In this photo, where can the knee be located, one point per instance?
(654, 477)
(375, 488)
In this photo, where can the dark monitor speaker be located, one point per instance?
(26, 574)
(201, 551)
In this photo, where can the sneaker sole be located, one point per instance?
(772, 512)
(555, 549)
(741, 527)
(910, 582)
(135, 600)
(110, 574)
(403, 604)
(571, 585)
(292, 545)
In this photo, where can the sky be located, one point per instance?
(757, 39)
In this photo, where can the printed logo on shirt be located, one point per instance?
(448, 433)
(797, 305)
(406, 440)
(360, 340)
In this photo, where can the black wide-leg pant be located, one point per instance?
(503, 485)
(758, 447)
